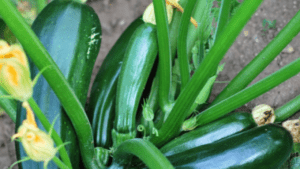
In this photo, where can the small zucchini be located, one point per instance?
(101, 108)
(71, 33)
(229, 125)
(268, 146)
(138, 61)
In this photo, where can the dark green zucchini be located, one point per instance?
(265, 147)
(138, 61)
(229, 125)
(101, 108)
(71, 33)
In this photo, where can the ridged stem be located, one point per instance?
(288, 109)
(223, 17)
(182, 43)
(164, 65)
(248, 94)
(262, 60)
(59, 163)
(145, 151)
(207, 69)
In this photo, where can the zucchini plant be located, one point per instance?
(149, 102)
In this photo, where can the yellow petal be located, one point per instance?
(176, 5)
(29, 114)
(15, 79)
(4, 47)
(12, 75)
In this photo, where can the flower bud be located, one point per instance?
(38, 145)
(147, 112)
(263, 114)
(15, 79)
(14, 72)
(189, 124)
(14, 51)
(293, 126)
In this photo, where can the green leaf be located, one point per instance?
(204, 94)
(233, 8)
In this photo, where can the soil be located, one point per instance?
(116, 15)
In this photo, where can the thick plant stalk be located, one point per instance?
(204, 72)
(144, 150)
(262, 60)
(64, 92)
(182, 44)
(223, 17)
(164, 66)
(247, 94)
(288, 109)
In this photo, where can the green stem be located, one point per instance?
(193, 34)
(164, 65)
(174, 29)
(47, 125)
(64, 92)
(8, 105)
(287, 110)
(182, 43)
(197, 58)
(248, 94)
(262, 60)
(223, 17)
(145, 151)
(207, 69)
(41, 5)
(59, 163)
(152, 99)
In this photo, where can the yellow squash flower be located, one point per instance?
(14, 72)
(38, 145)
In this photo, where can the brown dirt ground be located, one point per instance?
(116, 15)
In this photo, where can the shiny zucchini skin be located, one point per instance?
(101, 108)
(229, 125)
(265, 147)
(138, 61)
(71, 33)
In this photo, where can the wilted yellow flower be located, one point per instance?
(293, 126)
(263, 114)
(38, 145)
(14, 72)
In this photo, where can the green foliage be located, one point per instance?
(234, 6)
(181, 85)
(268, 24)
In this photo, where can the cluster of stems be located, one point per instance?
(233, 96)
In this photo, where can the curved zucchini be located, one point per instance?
(268, 146)
(229, 125)
(101, 108)
(139, 58)
(71, 33)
